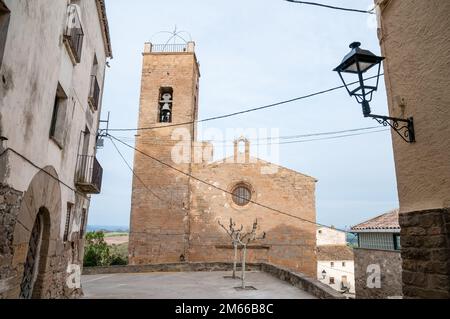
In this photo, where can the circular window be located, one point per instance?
(241, 195)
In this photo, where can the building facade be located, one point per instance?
(175, 210)
(52, 67)
(414, 39)
(378, 263)
(335, 265)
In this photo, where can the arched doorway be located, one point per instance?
(35, 239)
(31, 267)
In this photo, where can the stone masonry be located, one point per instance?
(426, 254)
(390, 263)
(174, 218)
(417, 76)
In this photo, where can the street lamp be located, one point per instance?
(324, 274)
(358, 62)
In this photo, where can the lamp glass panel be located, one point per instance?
(364, 66)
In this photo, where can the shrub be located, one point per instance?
(96, 250)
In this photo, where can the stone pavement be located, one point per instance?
(187, 285)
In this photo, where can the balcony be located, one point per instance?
(94, 93)
(89, 174)
(73, 34)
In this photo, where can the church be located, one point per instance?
(177, 205)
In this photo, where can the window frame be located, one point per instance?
(60, 102)
(237, 197)
(5, 17)
(162, 91)
(69, 214)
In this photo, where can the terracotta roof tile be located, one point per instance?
(383, 222)
(331, 252)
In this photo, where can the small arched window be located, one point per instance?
(242, 195)
(165, 105)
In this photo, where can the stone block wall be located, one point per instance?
(390, 263)
(426, 253)
(160, 198)
(10, 202)
(289, 242)
(417, 76)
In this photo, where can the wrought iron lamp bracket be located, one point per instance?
(403, 127)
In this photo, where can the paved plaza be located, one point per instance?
(187, 285)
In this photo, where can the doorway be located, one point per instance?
(31, 267)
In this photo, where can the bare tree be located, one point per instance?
(235, 235)
(243, 239)
(246, 239)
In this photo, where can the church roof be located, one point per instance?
(254, 160)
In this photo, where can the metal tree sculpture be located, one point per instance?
(244, 241)
(235, 235)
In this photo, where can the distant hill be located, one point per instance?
(123, 229)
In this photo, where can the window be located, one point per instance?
(73, 34)
(241, 195)
(83, 222)
(343, 264)
(332, 264)
(4, 26)
(68, 217)
(94, 91)
(344, 282)
(58, 123)
(331, 280)
(397, 245)
(382, 241)
(165, 105)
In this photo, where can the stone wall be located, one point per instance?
(10, 202)
(390, 264)
(417, 79)
(160, 196)
(426, 254)
(175, 218)
(289, 242)
(18, 214)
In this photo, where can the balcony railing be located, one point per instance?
(89, 174)
(94, 93)
(73, 35)
(169, 48)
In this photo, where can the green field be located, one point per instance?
(115, 234)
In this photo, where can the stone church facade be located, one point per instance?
(175, 210)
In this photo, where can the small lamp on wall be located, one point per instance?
(357, 63)
(324, 274)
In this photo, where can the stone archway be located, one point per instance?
(41, 204)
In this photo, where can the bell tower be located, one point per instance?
(159, 225)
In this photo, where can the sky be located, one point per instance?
(254, 53)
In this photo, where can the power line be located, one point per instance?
(134, 173)
(285, 137)
(44, 171)
(228, 144)
(238, 113)
(332, 7)
(219, 188)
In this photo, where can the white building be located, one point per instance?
(52, 67)
(335, 265)
(329, 236)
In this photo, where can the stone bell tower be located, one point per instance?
(159, 226)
